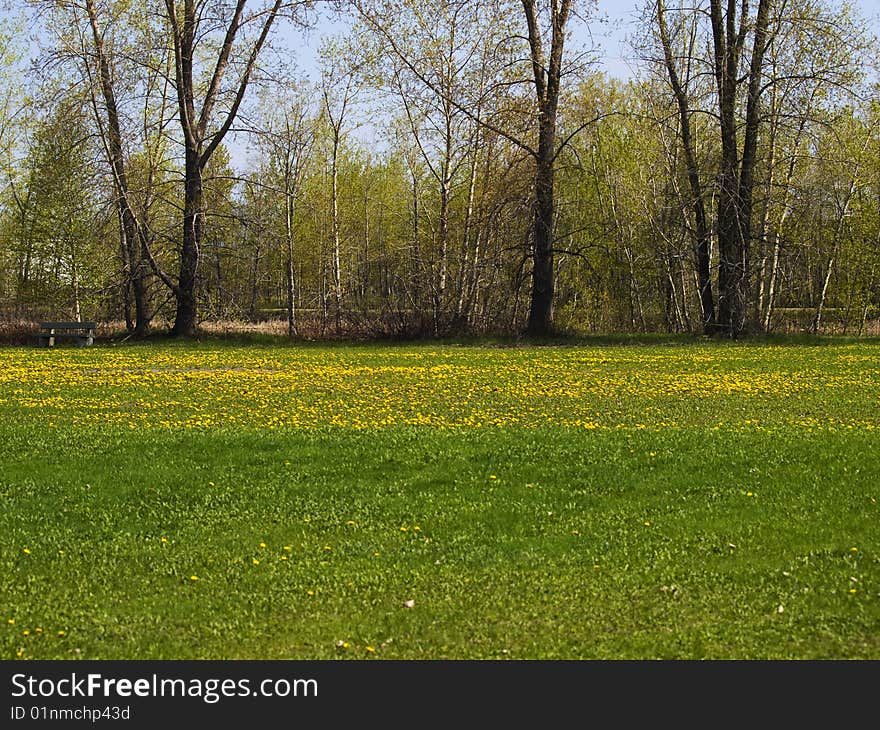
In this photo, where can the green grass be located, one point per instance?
(608, 502)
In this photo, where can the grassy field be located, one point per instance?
(688, 500)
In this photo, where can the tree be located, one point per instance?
(132, 231)
(286, 133)
(702, 229)
(545, 34)
(547, 70)
(338, 91)
(59, 232)
(795, 51)
(193, 25)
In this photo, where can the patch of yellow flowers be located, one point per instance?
(444, 387)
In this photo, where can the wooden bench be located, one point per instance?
(82, 333)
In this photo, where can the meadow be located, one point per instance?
(659, 500)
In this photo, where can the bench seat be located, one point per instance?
(82, 333)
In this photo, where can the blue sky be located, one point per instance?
(610, 24)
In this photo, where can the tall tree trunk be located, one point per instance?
(774, 273)
(415, 251)
(199, 143)
(547, 77)
(764, 225)
(842, 212)
(185, 322)
(125, 285)
(74, 280)
(334, 217)
(135, 273)
(465, 261)
(443, 248)
(729, 242)
(220, 308)
(541, 308)
(736, 178)
(823, 293)
(291, 280)
(255, 282)
(703, 234)
(772, 281)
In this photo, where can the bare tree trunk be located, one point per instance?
(220, 309)
(547, 78)
(464, 263)
(334, 220)
(864, 319)
(255, 278)
(125, 287)
(684, 297)
(443, 248)
(74, 281)
(702, 249)
(736, 179)
(771, 284)
(760, 284)
(198, 143)
(364, 282)
(185, 321)
(289, 210)
(769, 300)
(415, 250)
(135, 275)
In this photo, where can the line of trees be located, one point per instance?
(457, 167)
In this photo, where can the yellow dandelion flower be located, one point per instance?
(194, 577)
(10, 621)
(262, 544)
(647, 524)
(164, 539)
(19, 653)
(26, 551)
(255, 561)
(404, 529)
(853, 549)
(38, 630)
(371, 650)
(852, 590)
(27, 632)
(327, 547)
(310, 593)
(62, 633)
(288, 548)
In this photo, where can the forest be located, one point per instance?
(452, 168)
